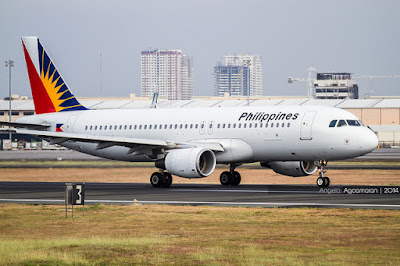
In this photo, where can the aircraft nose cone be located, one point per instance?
(368, 141)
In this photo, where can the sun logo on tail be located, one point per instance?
(59, 93)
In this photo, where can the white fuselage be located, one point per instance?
(247, 134)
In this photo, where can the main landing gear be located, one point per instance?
(322, 181)
(161, 179)
(231, 178)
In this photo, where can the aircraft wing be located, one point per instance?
(135, 144)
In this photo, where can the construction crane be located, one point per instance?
(358, 76)
(309, 80)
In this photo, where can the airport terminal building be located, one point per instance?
(382, 114)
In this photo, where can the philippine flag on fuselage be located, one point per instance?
(59, 128)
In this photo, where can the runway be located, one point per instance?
(360, 197)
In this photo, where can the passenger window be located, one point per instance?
(288, 124)
(135, 127)
(176, 126)
(165, 126)
(180, 126)
(239, 125)
(202, 125)
(170, 126)
(255, 125)
(197, 126)
(140, 127)
(105, 127)
(86, 127)
(145, 127)
(125, 127)
(261, 125)
(149, 126)
(100, 127)
(229, 125)
(272, 124)
(186, 126)
(234, 125)
(218, 126)
(277, 124)
(244, 125)
(223, 125)
(91, 127)
(333, 123)
(211, 125)
(341, 123)
(130, 127)
(191, 126)
(250, 125)
(266, 125)
(95, 127)
(283, 124)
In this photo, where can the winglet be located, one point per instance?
(49, 91)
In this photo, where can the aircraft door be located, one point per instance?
(69, 127)
(306, 125)
(210, 127)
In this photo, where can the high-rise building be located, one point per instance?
(335, 86)
(238, 75)
(170, 71)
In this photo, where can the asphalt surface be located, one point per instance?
(378, 154)
(363, 197)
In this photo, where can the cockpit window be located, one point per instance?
(333, 123)
(342, 123)
(353, 123)
(361, 123)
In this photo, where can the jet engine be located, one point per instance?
(191, 163)
(295, 169)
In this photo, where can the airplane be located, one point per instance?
(189, 142)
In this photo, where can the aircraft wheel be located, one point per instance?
(236, 179)
(225, 178)
(156, 179)
(168, 179)
(326, 181)
(320, 181)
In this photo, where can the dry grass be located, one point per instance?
(142, 174)
(198, 235)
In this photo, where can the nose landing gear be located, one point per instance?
(231, 178)
(322, 181)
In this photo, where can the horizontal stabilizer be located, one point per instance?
(25, 125)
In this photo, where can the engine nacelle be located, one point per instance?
(191, 163)
(295, 169)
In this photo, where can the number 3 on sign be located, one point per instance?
(79, 193)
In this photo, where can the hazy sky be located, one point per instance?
(339, 36)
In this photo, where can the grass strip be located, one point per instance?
(198, 235)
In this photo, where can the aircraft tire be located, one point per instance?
(167, 179)
(327, 181)
(320, 182)
(236, 179)
(226, 178)
(157, 179)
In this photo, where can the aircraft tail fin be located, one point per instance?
(49, 91)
